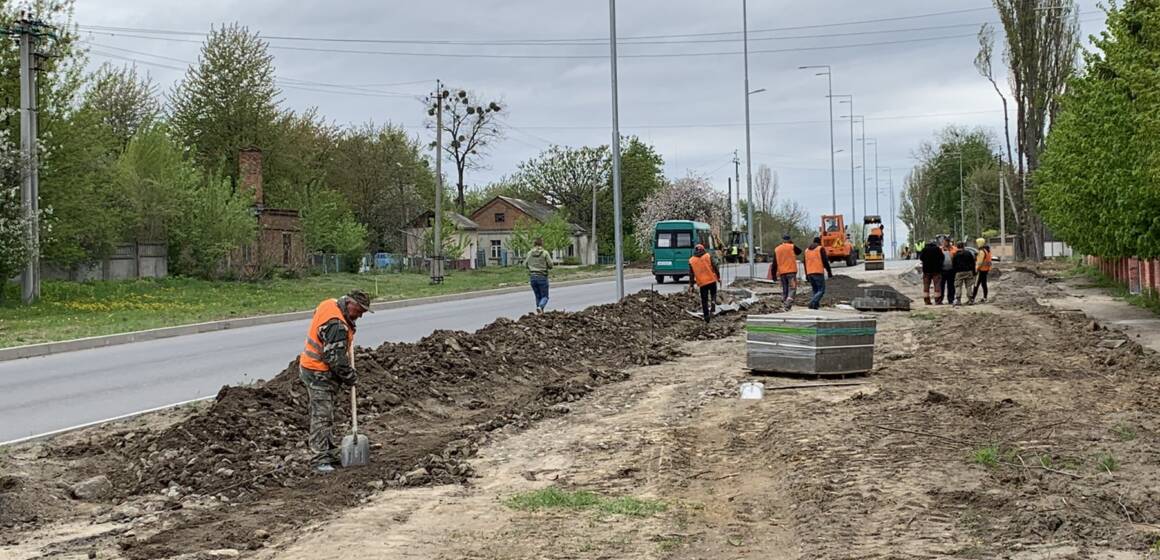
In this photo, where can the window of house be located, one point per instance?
(287, 246)
(572, 250)
(499, 217)
(247, 253)
(496, 245)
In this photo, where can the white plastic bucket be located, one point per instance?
(752, 390)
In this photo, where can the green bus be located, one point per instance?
(673, 243)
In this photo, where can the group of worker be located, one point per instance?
(955, 270)
(785, 267)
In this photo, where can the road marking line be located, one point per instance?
(97, 422)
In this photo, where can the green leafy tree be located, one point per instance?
(556, 234)
(14, 248)
(641, 175)
(227, 101)
(569, 179)
(329, 226)
(1096, 183)
(931, 199)
(297, 162)
(125, 101)
(151, 176)
(216, 220)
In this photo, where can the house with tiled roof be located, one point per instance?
(497, 219)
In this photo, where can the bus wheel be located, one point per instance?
(660, 279)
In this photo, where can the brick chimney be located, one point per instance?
(250, 172)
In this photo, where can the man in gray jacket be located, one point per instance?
(539, 262)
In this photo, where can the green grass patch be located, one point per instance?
(69, 310)
(1125, 432)
(992, 455)
(1108, 462)
(555, 498)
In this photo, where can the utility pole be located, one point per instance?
(619, 249)
(1002, 206)
(853, 201)
(729, 183)
(748, 147)
(863, 137)
(437, 258)
(829, 74)
(735, 209)
(962, 209)
(29, 32)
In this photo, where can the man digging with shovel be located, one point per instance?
(326, 365)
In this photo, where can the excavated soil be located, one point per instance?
(233, 474)
(839, 289)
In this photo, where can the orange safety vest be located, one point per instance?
(786, 261)
(986, 266)
(702, 268)
(311, 356)
(814, 264)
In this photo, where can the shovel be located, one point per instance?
(356, 449)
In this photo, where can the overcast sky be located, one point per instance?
(690, 107)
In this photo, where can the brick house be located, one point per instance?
(280, 242)
(498, 218)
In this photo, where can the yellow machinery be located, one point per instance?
(875, 258)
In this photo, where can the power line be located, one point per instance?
(765, 123)
(589, 40)
(582, 56)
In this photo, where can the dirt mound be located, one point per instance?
(425, 407)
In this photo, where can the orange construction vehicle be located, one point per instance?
(836, 240)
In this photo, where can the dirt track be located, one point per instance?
(1003, 430)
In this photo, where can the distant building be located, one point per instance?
(497, 219)
(466, 231)
(279, 243)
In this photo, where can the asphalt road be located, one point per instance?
(62, 391)
(50, 393)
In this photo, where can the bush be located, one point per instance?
(571, 261)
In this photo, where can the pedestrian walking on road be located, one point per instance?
(817, 268)
(539, 262)
(932, 260)
(983, 268)
(785, 257)
(964, 265)
(704, 275)
(324, 366)
(948, 273)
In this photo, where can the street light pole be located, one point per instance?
(853, 201)
(862, 119)
(830, 103)
(616, 217)
(877, 207)
(748, 147)
(893, 233)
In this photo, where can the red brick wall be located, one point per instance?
(250, 172)
(1121, 270)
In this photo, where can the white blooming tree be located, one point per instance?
(14, 247)
(688, 198)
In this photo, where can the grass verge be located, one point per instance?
(555, 498)
(69, 310)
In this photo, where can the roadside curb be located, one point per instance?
(50, 348)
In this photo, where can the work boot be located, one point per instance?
(926, 300)
(971, 301)
(324, 469)
(984, 299)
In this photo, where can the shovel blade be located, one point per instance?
(355, 450)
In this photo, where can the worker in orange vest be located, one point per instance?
(785, 262)
(817, 268)
(703, 274)
(983, 268)
(324, 366)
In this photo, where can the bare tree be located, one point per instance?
(1042, 39)
(766, 183)
(984, 64)
(473, 126)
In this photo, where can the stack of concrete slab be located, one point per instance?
(882, 298)
(814, 342)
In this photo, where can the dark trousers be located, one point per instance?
(708, 300)
(818, 285)
(540, 290)
(981, 280)
(321, 389)
(948, 286)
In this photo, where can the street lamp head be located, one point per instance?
(756, 91)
